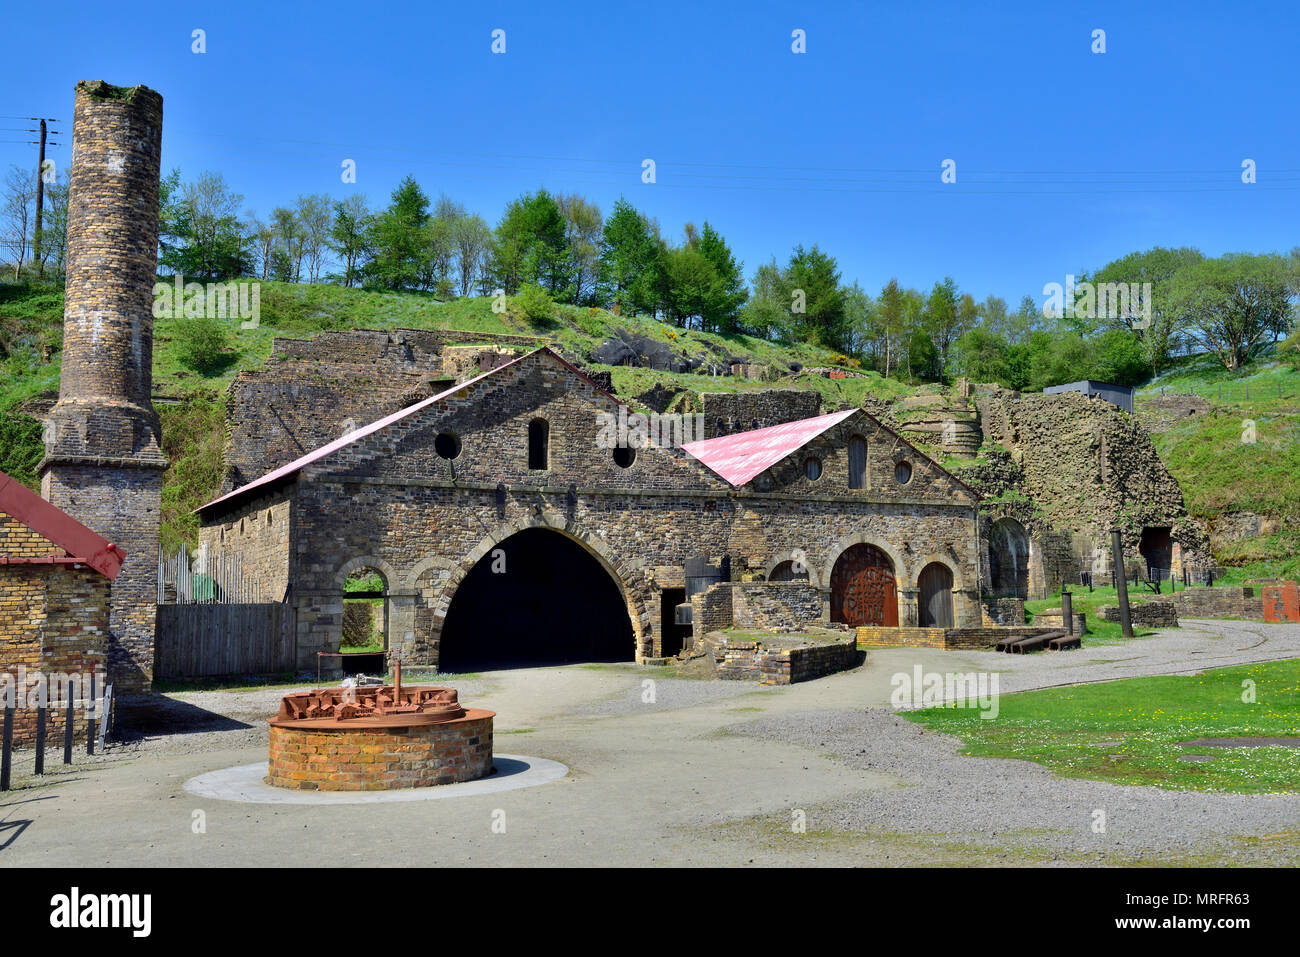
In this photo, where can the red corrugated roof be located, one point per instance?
(738, 458)
(286, 471)
(59, 527)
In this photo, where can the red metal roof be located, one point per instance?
(80, 543)
(738, 458)
(287, 471)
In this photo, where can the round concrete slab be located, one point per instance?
(246, 783)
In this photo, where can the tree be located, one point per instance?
(473, 241)
(398, 239)
(54, 228)
(1155, 320)
(286, 257)
(18, 208)
(812, 280)
(530, 247)
(205, 238)
(982, 356)
(722, 310)
(944, 316)
(315, 218)
(892, 317)
(350, 235)
(1232, 303)
(582, 234)
(629, 250)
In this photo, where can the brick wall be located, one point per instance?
(1002, 611)
(258, 534)
(379, 759)
(1055, 618)
(53, 621)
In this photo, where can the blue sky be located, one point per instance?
(1065, 158)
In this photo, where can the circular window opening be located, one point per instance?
(447, 445)
(903, 473)
(812, 468)
(624, 456)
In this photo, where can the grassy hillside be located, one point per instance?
(1241, 456)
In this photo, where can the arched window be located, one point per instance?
(539, 442)
(857, 462)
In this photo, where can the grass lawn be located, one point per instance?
(1128, 731)
(1099, 632)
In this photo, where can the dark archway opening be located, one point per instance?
(1008, 559)
(538, 598)
(1157, 547)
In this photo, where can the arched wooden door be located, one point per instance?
(863, 590)
(936, 596)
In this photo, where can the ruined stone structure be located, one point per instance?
(103, 464)
(56, 577)
(505, 528)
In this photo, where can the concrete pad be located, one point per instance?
(247, 783)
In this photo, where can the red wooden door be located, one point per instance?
(863, 591)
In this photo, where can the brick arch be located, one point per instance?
(633, 591)
(787, 555)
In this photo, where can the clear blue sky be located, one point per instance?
(1066, 159)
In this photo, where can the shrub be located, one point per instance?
(535, 303)
(201, 343)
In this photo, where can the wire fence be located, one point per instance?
(205, 579)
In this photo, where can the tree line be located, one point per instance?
(1121, 323)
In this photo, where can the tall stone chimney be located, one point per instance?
(103, 463)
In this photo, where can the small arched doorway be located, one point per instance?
(863, 589)
(935, 585)
(1008, 559)
(537, 598)
(785, 572)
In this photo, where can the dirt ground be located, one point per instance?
(672, 771)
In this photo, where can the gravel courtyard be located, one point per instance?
(711, 773)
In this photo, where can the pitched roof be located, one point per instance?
(297, 465)
(738, 458)
(51, 522)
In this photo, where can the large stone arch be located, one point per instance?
(436, 601)
(903, 575)
(788, 555)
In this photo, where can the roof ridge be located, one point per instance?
(53, 523)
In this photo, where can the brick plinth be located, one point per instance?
(381, 759)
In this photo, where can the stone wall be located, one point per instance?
(1222, 601)
(726, 413)
(1055, 618)
(775, 606)
(257, 534)
(948, 639)
(54, 621)
(995, 612)
(755, 661)
(1148, 614)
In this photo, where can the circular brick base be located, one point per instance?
(378, 759)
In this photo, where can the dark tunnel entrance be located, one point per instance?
(538, 598)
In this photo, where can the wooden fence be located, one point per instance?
(194, 641)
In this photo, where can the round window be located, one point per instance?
(903, 473)
(447, 445)
(812, 468)
(624, 456)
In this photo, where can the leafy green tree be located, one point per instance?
(1157, 322)
(582, 234)
(473, 241)
(982, 356)
(203, 236)
(629, 251)
(398, 239)
(943, 317)
(1234, 302)
(530, 247)
(722, 311)
(350, 235)
(823, 319)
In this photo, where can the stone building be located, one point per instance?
(103, 462)
(55, 585)
(507, 526)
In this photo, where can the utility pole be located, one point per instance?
(40, 206)
(1121, 584)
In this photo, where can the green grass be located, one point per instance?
(1128, 731)
(1099, 632)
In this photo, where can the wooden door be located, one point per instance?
(863, 590)
(936, 596)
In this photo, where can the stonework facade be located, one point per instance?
(425, 496)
